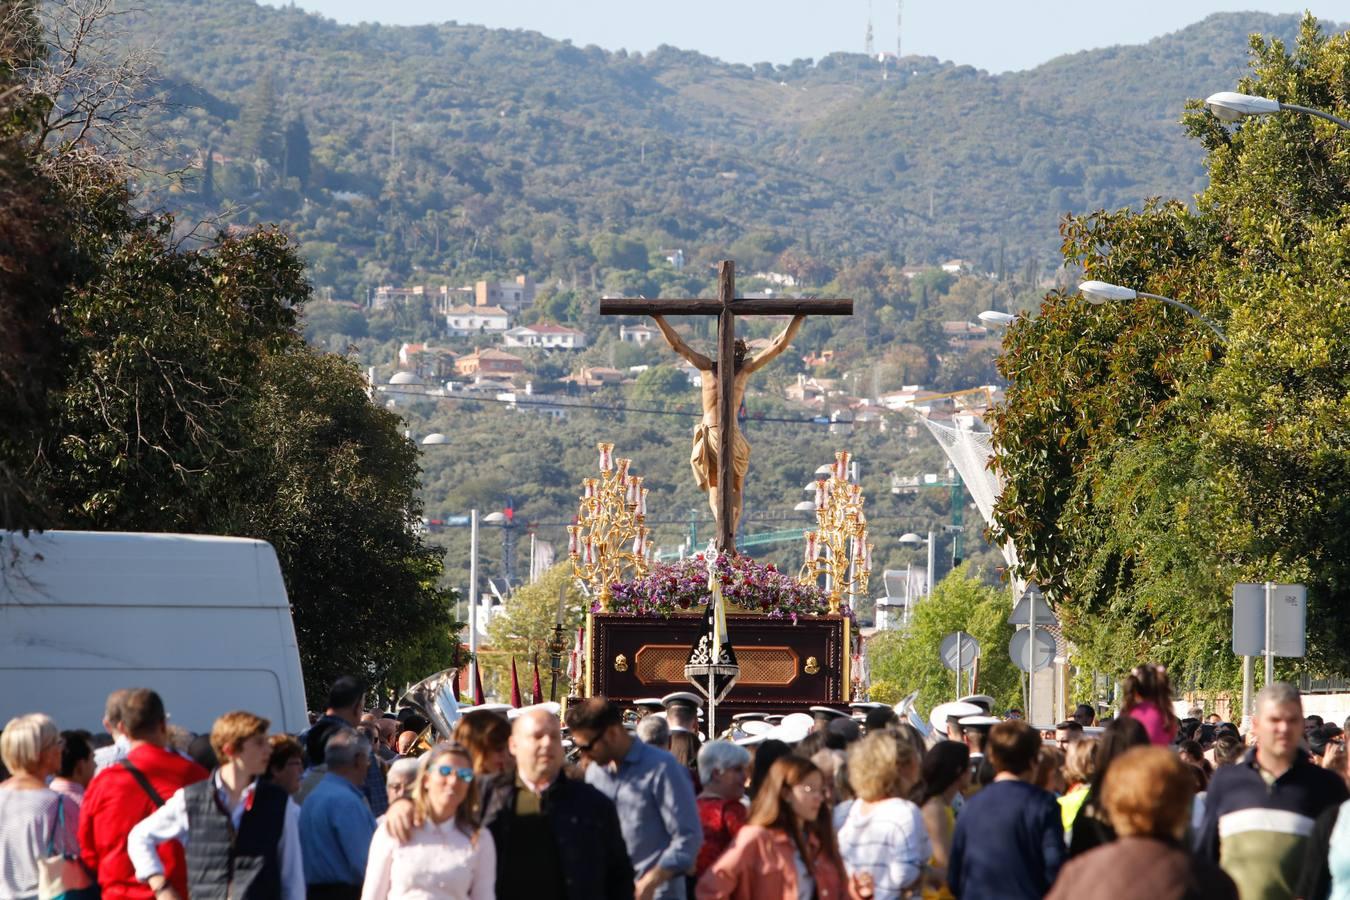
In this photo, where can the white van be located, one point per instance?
(202, 620)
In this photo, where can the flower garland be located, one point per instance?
(746, 584)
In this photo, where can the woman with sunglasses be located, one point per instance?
(786, 850)
(447, 857)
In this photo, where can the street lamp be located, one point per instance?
(1099, 292)
(1230, 106)
(996, 319)
(808, 506)
(435, 439)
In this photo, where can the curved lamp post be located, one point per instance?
(996, 319)
(1099, 292)
(1230, 106)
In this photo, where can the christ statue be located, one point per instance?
(703, 459)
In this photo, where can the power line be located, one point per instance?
(687, 413)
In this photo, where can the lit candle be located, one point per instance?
(606, 457)
(637, 544)
(562, 601)
(629, 491)
(810, 546)
(623, 467)
(820, 494)
(590, 551)
(590, 488)
(642, 503)
(573, 540)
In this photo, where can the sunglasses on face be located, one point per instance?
(463, 773)
(586, 748)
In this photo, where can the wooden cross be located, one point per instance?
(726, 307)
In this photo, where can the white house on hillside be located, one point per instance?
(637, 334)
(547, 336)
(464, 320)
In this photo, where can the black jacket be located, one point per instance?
(588, 844)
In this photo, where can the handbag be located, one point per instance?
(62, 875)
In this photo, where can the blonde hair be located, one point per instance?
(233, 728)
(877, 765)
(24, 740)
(467, 813)
(1080, 761)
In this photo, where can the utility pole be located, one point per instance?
(898, 9)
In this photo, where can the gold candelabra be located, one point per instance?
(838, 548)
(609, 540)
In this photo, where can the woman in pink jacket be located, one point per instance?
(786, 850)
(1148, 698)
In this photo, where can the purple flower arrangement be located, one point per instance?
(747, 585)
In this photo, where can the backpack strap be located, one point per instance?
(143, 782)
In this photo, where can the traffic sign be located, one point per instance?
(1032, 601)
(959, 646)
(1029, 655)
(1288, 609)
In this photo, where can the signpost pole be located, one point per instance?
(1248, 675)
(1270, 656)
(960, 646)
(473, 599)
(1031, 658)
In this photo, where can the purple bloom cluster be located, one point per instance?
(749, 585)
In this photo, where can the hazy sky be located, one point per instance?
(998, 35)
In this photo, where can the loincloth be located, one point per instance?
(703, 458)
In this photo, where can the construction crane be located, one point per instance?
(915, 483)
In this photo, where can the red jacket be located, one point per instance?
(114, 803)
(761, 865)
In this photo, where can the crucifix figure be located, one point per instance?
(720, 455)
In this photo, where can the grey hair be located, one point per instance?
(344, 748)
(718, 756)
(1279, 693)
(654, 730)
(403, 769)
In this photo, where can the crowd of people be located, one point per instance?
(634, 803)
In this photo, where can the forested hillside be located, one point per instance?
(449, 151)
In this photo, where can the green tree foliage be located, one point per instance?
(510, 139)
(333, 494)
(614, 251)
(36, 260)
(258, 131)
(661, 385)
(904, 661)
(177, 395)
(1150, 467)
(524, 627)
(296, 151)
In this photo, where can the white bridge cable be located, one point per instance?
(970, 452)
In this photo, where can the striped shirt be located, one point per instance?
(28, 828)
(887, 840)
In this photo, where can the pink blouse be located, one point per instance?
(1161, 730)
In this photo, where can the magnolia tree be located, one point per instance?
(1149, 465)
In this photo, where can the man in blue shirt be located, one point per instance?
(652, 792)
(336, 824)
(1009, 841)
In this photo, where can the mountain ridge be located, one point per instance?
(475, 148)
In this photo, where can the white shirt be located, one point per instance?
(170, 823)
(112, 754)
(439, 862)
(888, 841)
